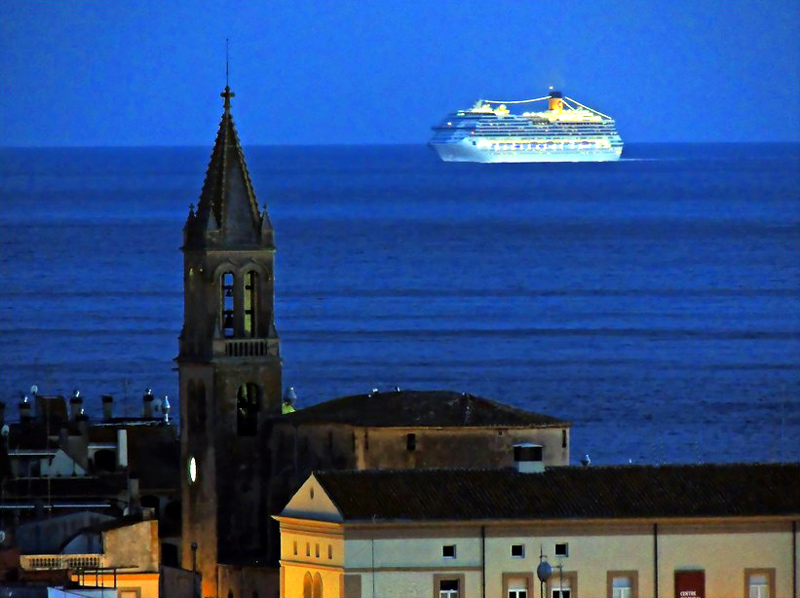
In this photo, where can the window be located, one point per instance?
(248, 401)
(294, 547)
(757, 586)
(621, 586)
(330, 551)
(250, 303)
(308, 549)
(448, 588)
(518, 551)
(515, 585)
(316, 550)
(562, 584)
(226, 305)
(449, 551)
(563, 439)
(759, 583)
(562, 549)
(411, 442)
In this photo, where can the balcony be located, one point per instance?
(74, 562)
(247, 347)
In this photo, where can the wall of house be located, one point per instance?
(308, 550)
(246, 582)
(134, 546)
(470, 448)
(384, 561)
(128, 585)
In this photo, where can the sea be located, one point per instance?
(653, 302)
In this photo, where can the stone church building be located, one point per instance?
(241, 459)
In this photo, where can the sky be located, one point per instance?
(307, 72)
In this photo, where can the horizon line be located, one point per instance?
(343, 145)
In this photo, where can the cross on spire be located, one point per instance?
(227, 94)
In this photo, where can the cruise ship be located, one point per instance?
(567, 131)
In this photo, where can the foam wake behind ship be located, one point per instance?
(567, 131)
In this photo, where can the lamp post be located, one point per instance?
(195, 585)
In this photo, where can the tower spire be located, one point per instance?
(227, 94)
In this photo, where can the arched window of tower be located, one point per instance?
(250, 303)
(248, 404)
(226, 305)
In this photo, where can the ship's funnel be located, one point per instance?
(556, 101)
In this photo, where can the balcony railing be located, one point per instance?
(249, 347)
(61, 561)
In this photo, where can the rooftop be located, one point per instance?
(631, 491)
(421, 408)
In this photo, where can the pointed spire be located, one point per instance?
(227, 215)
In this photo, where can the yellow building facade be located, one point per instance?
(432, 534)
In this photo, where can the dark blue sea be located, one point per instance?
(654, 302)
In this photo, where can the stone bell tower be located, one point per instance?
(229, 362)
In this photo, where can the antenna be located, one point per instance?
(227, 68)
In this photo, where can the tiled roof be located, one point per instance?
(413, 408)
(567, 492)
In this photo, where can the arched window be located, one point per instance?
(226, 305)
(307, 586)
(248, 404)
(250, 303)
(317, 591)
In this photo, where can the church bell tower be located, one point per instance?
(229, 362)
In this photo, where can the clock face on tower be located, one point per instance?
(192, 470)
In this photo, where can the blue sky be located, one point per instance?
(105, 73)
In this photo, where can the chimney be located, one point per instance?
(147, 404)
(63, 436)
(75, 405)
(134, 503)
(25, 410)
(528, 458)
(108, 407)
(556, 101)
(122, 448)
(83, 423)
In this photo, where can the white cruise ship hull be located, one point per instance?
(465, 151)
